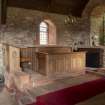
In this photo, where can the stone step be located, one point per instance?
(26, 99)
(96, 73)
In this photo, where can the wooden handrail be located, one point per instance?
(25, 59)
(42, 53)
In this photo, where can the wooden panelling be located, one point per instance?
(11, 58)
(14, 59)
(61, 63)
(94, 57)
(6, 56)
(55, 49)
(49, 61)
(28, 56)
(78, 62)
(42, 60)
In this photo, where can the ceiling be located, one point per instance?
(66, 7)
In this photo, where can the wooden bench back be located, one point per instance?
(55, 49)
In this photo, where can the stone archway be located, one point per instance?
(52, 32)
(96, 25)
(93, 11)
(90, 7)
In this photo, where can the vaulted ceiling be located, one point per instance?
(74, 7)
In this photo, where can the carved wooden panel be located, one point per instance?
(62, 63)
(78, 62)
(14, 58)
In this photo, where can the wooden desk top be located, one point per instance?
(50, 53)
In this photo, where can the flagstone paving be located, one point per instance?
(7, 99)
(97, 100)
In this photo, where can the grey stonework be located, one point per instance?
(1, 60)
(91, 5)
(23, 26)
(104, 58)
(95, 10)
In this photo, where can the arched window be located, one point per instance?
(43, 33)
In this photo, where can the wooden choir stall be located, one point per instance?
(48, 61)
(60, 61)
(34, 66)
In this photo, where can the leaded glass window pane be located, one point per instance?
(43, 33)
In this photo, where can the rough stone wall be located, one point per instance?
(95, 11)
(91, 5)
(1, 60)
(23, 26)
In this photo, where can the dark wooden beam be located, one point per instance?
(3, 11)
(66, 7)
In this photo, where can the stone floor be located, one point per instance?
(97, 100)
(63, 83)
(7, 99)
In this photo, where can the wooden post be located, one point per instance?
(0, 11)
(3, 9)
(103, 31)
